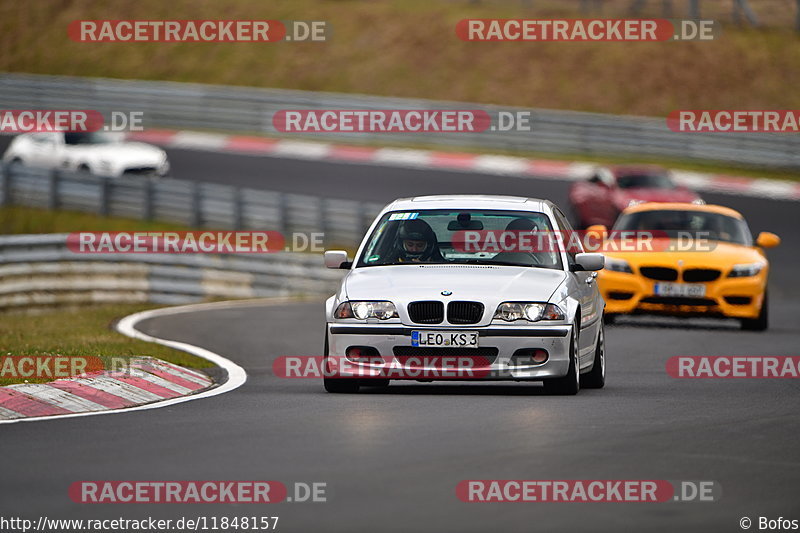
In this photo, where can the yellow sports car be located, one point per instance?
(685, 260)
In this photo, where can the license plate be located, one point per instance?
(690, 290)
(458, 339)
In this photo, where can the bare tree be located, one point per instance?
(694, 9)
(742, 7)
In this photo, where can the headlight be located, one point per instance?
(618, 265)
(533, 311)
(365, 310)
(745, 270)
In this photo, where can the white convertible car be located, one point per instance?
(93, 152)
(417, 303)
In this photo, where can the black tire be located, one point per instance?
(374, 382)
(570, 384)
(596, 377)
(760, 323)
(338, 385)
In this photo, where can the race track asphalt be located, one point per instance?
(392, 458)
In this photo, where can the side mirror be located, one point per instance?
(596, 235)
(589, 261)
(599, 229)
(767, 240)
(336, 259)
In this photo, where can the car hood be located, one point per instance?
(490, 285)
(723, 256)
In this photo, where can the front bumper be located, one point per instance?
(388, 340)
(725, 297)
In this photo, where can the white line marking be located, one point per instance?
(127, 326)
(124, 390)
(500, 164)
(172, 370)
(193, 140)
(301, 150)
(161, 382)
(401, 157)
(9, 414)
(57, 397)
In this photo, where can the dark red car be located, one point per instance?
(609, 190)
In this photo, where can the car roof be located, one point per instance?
(683, 206)
(470, 201)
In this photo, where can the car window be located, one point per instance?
(572, 244)
(645, 181)
(80, 137)
(446, 236)
(699, 224)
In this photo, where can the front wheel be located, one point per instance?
(570, 384)
(337, 385)
(761, 322)
(596, 377)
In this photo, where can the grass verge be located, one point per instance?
(28, 220)
(85, 333)
(409, 48)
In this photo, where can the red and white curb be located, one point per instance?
(149, 384)
(462, 162)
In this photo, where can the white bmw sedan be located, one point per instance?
(101, 153)
(436, 292)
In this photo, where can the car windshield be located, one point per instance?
(645, 181)
(438, 237)
(699, 224)
(93, 137)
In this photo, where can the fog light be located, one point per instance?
(539, 356)
(363, 354)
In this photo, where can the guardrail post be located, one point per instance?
(238, 209)
(323, 219)
(283, 224)
(52, 199)
(197, 206)
(105, 196)
(5, 183)
(148, 209)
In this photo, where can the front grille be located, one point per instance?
(426, 312)
(678, 300)
(141, 171)
(478, 356)
(659, 273)
(700, 274)
(619, 295)
(464, 312)
(738, 300)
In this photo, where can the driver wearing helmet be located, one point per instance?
(416, 243)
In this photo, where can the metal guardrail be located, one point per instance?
(240, 109)
(194, 204)
(39, 270)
